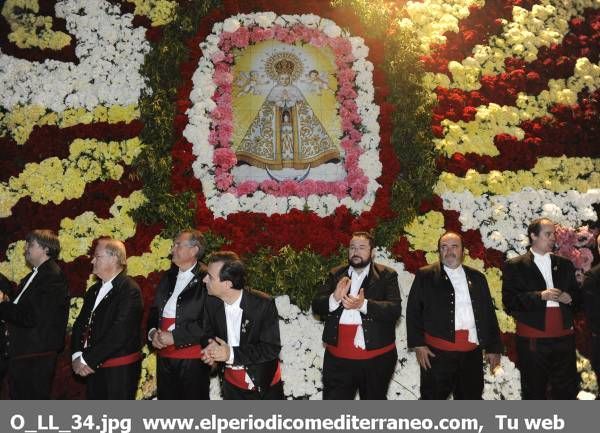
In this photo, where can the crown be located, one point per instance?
(284, 66)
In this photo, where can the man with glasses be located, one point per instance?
(36, 319)
(360, 303)
(175, 323)
(105, 343)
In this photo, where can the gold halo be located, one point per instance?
(285, 55)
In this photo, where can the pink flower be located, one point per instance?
(269, 186)
(288, 188)
(217, 57)
(339, 189)
(223, 181)
(241, 37)
(246, 187)
(222, 78)
(307, 187)
(225, 158)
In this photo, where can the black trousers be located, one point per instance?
(232, 392)
(456, 373)
(370, 377)
(548, 362)
(114, 383)
(182, 379)
(30, 378)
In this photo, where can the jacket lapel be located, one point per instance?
(441, 278)
(221, 321)
(116, 285)
(244, 328)
(536, 271)
(555, 270)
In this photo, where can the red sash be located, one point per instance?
(460, 344)
(237, 377)
(190, 352)
(553, 326)
(346, 348)
(122, 360)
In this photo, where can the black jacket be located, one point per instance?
(384, 306)
(37, 323)
(591, 290)
(190, 306)
(259, 345)
(523, 284)
(114, 326)
(430, 308)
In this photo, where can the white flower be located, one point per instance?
(230, 25)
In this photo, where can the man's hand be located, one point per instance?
(551, 294)
(166, 338)
(80, 368)
(493, 360)
(157, 340)
(342, 288)
(354, 302)
(423, 354)
(565, 298)
(217, 350)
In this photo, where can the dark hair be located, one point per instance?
(196, 240)
(451, 232)
(535, 226)
(46, 239)
(233, 269)
(366, 235)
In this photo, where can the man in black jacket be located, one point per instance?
(591, 290)
(105, 343)
(243, 326)
(450, 319)
(360, 303)
(36, 319)
(175, 323)
(539, 290)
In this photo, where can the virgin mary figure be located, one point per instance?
(286, 133)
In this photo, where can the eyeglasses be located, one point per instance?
(179, 244)
(97, 256)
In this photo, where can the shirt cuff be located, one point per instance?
(363, 308)
(333, 304)
(80, 356)
(230, 360)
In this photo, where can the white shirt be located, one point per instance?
(29, 280)
(104, 290)
(544, 264)
(183, 279)
(352, 317)
(233, 317)
(463, 307)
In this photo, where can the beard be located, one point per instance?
(358, 262)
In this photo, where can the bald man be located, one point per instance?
(451, 320)
(105, 343)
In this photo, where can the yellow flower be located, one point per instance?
(423, 231)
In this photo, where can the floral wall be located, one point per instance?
(470, 115)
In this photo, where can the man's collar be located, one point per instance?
(365, 270)
(538, 255)
(236, 303)
(189, 270)
(449, 271)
